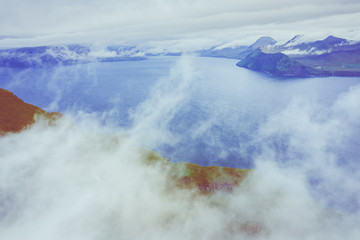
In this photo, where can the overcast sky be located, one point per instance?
(197, 23)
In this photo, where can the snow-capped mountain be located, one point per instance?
(331, 56)
(238, 52)
(65, 55)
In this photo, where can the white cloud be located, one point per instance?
(152, 117)
(41, 22)
(85, 181)
(311, 51)
(82, 180)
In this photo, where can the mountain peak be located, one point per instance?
(332, 39)
(294, 40)
(266, 39)
(263, 41)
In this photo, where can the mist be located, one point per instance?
(86, 178)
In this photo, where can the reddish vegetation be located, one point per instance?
(205, 180)
(248, 228)
(16, 115)
(209, 179)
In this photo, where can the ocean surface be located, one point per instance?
(209, 110)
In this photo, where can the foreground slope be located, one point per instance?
(16, 115)
(191, 176)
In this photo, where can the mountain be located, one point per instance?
(292, 41)
(238, 52)
(277, 64)
(331, 56)
(338, 63)
(261, 43)
(327, 44)
(44, 56)
(331, 43)
(227, 52)
(16, 115)
(205, 180)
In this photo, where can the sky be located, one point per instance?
(189, 24)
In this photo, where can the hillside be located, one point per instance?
(278, 64)
(331, 56)
(16, 115)
(338, 63)
(238, 52)
(191, 176)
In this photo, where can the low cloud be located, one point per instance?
(151, 119)
(83, 179)
(79, 181)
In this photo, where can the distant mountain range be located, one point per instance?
(44, 56)
(331, 56)
(237, 52)
(277, 64)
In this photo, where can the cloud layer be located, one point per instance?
(41, 22)
(80, 182)
(83, 180)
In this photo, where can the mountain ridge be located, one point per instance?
(16, 115)
(47, 56)
(331, 56)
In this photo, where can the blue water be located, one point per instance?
(216, 116)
